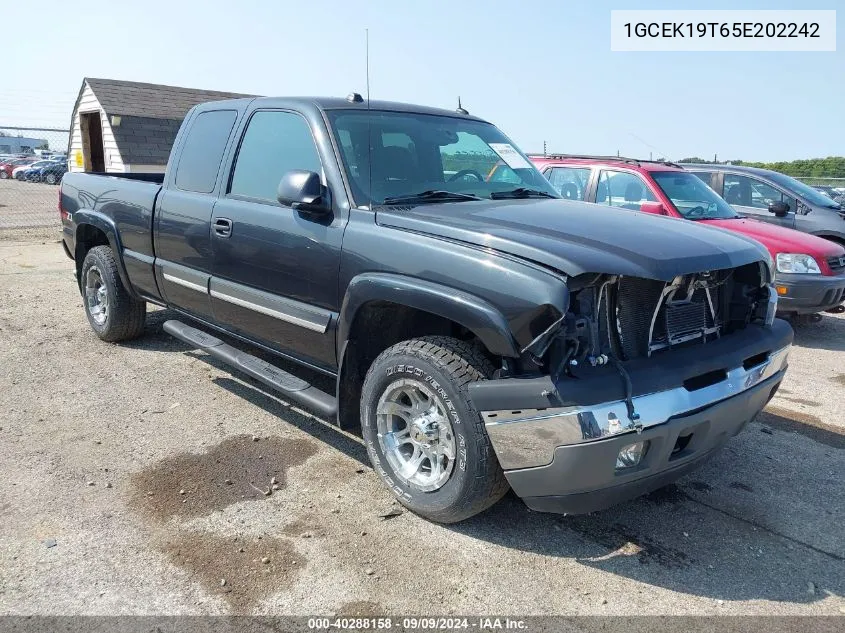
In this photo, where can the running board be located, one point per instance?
(289, 385)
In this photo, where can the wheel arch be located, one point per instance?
(95, 229)
(381, 309)
(839, 239)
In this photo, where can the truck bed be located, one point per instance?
(144, 176)
(121, 205)
(127, 200)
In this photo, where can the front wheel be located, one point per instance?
(50, 178)
(112, 312)
(424, 436)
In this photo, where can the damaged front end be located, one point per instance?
(624, 318)
(631, 355)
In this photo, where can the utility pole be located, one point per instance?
(544, 149)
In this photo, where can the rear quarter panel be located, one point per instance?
(126, 204)
(120, 208)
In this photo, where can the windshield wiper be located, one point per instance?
(432, 195)
(521, 192)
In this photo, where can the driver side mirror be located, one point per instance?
(302, 190)
(655, 208)
(779, 208)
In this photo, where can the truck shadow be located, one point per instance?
(761, 520)
(244, 387)
(319, 429)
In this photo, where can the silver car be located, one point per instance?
(754, 192)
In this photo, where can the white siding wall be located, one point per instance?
(88, 103)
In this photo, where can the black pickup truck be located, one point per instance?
(482, 332)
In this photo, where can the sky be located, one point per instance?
(541, 71)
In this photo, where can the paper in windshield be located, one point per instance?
(508, 154)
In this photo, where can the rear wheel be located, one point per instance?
(3, 174)
(112, 312)
(424, 436)
(50, 178)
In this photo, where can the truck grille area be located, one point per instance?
(685, 318)
(651, 316)
(636, 301)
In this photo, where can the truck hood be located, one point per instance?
(578, 237)
(779, 239)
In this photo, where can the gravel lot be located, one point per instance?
(116, 498)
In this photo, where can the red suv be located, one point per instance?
(810, 271)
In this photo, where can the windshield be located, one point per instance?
(415, 153)
(805, 191)
(692, 198)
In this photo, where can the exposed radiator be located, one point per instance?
(679, 319)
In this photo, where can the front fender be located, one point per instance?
(84, 218)
(477, 315)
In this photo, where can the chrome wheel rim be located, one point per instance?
(51, 179)
(96, 296)
(415, 435)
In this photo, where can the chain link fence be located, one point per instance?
(32, 163)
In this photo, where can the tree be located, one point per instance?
(830, 167)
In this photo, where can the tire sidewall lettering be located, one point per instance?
(397, 371)
(421, 374)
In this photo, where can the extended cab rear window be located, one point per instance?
(202, 151)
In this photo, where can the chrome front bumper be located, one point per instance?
(527, 438)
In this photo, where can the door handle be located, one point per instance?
(223, 227)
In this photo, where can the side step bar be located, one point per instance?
(290, 386)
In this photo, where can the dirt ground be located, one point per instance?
(144, 478)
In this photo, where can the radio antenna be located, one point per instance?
(367, 62)
(369, 119)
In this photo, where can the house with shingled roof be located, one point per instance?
(126, 126)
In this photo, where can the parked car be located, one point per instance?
(21, 172)
(835, 194)
(810, 271)
(7, 167)
(752, 191)
(33, 173)
(52, 174)
(481, 333)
